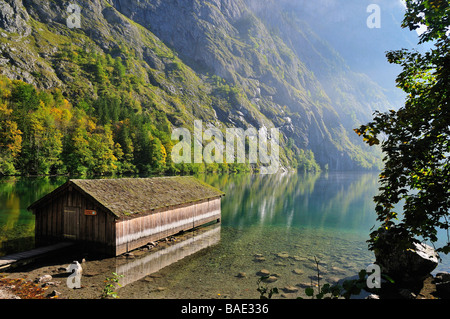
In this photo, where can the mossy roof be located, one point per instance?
(135, 196)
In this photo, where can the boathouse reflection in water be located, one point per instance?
(189, 243)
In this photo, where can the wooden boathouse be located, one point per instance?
(115, 216)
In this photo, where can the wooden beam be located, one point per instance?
(7, 261)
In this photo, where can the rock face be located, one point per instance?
(233, 39)
(274, 71)
(14, 18)
(406, 266)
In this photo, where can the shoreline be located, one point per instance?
(47, 280)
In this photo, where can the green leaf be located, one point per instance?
(336, 290)
(362, 274)
(388, 278)
(309, 292)
(348, 284)
(326, 288)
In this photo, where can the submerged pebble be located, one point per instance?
(298, 271)
(270, 279)
(263, 272)
(282, 255)
(290, 289)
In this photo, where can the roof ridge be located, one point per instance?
(133, 196)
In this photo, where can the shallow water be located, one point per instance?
(230, 266)
(280, 223)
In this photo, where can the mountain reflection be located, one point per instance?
(341, 201)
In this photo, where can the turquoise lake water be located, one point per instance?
(282, 223)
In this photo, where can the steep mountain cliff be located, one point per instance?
(227, 62)
(278, 61)
(343, 24)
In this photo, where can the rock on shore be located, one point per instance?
(406, 266)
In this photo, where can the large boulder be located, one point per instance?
(442, 281)
(406, 265)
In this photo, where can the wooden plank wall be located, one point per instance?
(103, 233)
(136, 232)
(96, 230)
